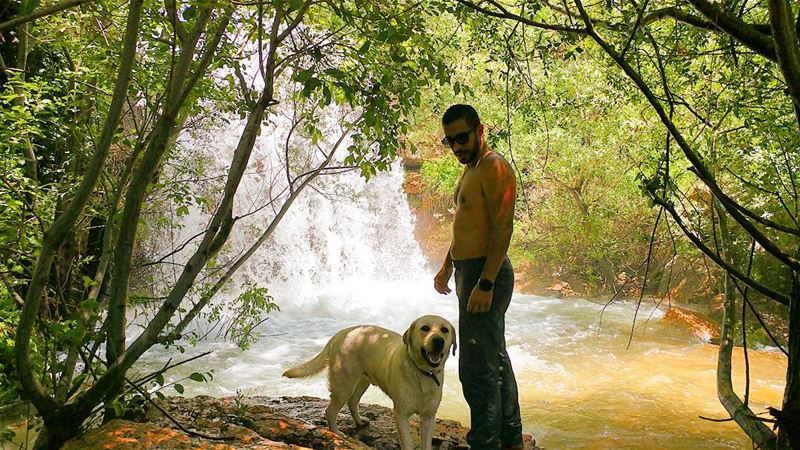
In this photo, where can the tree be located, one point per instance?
(727, 75)
(175, 58)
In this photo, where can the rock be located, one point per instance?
(259, 423)
(703, 329)
(124, 435)
(562, 289)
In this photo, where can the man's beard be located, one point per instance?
(468, 156)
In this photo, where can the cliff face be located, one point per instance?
(258, 423)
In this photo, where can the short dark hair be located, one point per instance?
(465, 112)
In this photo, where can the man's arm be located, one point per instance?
(499, 188)
(445, 272)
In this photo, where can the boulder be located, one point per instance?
(701, 328)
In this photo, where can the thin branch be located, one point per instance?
(646, 272)
(760, 319)
(680, 16)
(733, 271)
(174, 251)
(10, 288)
(146, 395)
(46, 11)
(766, 191)
(744, 327)
(168, 366)
(743, 32)
(507, 15)
(636, 25)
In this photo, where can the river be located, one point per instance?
(345, 255)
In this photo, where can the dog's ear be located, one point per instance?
(407, 334)
(455, 342)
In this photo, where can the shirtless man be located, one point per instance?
(482, 227)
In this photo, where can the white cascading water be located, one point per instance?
(344, 246)
(345, 254)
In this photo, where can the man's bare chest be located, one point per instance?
(468, 191)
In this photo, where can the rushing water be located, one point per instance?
(336, 262)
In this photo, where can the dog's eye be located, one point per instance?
(425, 328)
(445, 330)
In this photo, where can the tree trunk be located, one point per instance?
(181, 81)
(789, 417)
(53, 435)
(761, 435)
(63, 421)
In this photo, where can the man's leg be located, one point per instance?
(511, 422)
(481, 342)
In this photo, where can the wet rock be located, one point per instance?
(562, 289)
(701, 328)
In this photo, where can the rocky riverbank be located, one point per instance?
(257, 423)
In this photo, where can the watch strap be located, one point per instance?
(485, 285)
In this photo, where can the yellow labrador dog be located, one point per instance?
(409, 369)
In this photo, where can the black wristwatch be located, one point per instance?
(485, 285)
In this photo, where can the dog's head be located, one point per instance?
(429, 340)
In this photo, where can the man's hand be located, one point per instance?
(480, 301)
(441, 279)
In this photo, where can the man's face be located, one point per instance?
(467, 153)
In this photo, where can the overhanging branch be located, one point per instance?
(505, 14)
(42, 12)
(747, 34)
(729, 268)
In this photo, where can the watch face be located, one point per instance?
(485, 284)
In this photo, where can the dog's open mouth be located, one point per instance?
(434, 359)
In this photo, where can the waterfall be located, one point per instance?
(346, 245)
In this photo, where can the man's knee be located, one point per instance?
(475, 366)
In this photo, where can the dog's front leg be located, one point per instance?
(427, 424)
(403, 430)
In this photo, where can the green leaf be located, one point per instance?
(190, 13)
(27, 7)
(86, 281)
(303, 75)
(179, 388)
(119, 408)
(326, 95)
(197, 377)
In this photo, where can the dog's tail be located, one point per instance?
(312, 367)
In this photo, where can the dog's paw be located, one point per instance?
(362, 422)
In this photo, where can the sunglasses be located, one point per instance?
(460, 138)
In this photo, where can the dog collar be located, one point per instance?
(431, 375)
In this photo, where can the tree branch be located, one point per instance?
(504, 14)
(745, 33)
(733, 271)
(788, 53)
(46, 11)
(61, 227)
